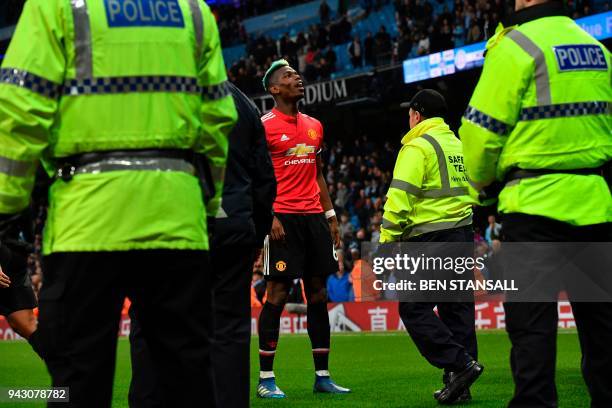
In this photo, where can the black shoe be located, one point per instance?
(466, 396)
(459, 383)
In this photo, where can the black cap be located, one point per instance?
(429, 103)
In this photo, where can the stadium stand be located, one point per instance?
(387, 32)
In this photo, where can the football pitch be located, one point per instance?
(383, 370)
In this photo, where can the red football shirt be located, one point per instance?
(294, 143)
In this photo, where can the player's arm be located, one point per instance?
(326, 203)
(403, 193)
(494, 108)
(218, 111)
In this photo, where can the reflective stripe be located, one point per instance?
(441, 161)
(16, 168)
(435, 193)
(565, 110)
(450, 192)
(485, 121)
(407, 187)
(111, 85)
(198, 26)
(386, 224)
(438, 226)
(541, 70)
(134, 163)
(82, 39)
(128, 84)
(214, 92)
(34, 83)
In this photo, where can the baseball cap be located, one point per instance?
(275, 66)
(428, 102)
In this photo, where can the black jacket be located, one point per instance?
(245, 216)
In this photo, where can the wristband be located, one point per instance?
(330, 213)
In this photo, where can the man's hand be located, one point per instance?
(278, 232)
(335, 231)
(5, 281)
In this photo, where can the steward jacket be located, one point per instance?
(430, 190)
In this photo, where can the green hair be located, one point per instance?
(275, 66)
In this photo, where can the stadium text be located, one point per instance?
(313, 94)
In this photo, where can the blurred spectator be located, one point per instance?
(474, 34)
(339, 285)
(493, 230)
(324, 12)
(258, 283)
(363, 278)
(354, 50)
(368, 48)
(382, 46)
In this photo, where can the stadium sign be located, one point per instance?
(317, 93)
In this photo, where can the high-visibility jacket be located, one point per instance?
(543, 102)
(100, 75)
(429, 191)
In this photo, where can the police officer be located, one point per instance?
(539, 123)
(429, 201)
(240, 227)
(116, 97)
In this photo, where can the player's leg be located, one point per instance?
(277, 291)
(321, 261)
(283, 262)
(17, 303)
(23, 322)
(80, 304)
(170, 293)
(318, 322)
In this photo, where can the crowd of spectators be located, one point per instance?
(420, 29)
(310, 52)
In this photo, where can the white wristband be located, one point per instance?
(330, 213)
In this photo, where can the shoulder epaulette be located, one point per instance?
(500, 33)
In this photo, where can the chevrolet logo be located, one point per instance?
(300, 150)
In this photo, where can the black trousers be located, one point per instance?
(532, 327)
(447, 341)
(232, 270)
(230, 329)
(80, 306)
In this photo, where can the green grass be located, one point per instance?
(384, 370)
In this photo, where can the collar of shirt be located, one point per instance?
(548, 9)
(286, 118)
(423, 127)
